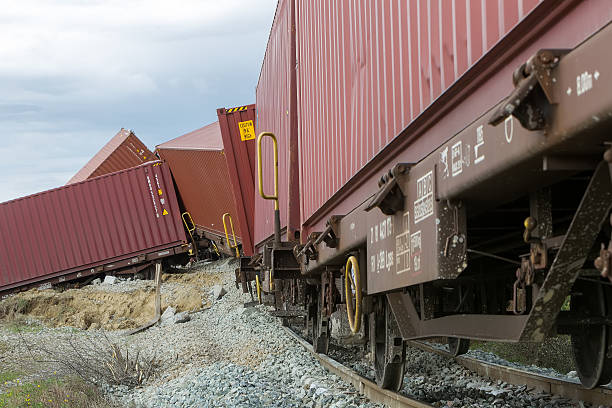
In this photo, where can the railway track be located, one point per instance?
(601, 396)
(550, 385)
(363, 385)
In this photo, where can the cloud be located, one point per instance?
(72, 73)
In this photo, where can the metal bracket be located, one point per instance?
(331, 234)
(533, 91)
(390, 197)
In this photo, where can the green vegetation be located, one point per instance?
(554, 352)
(7, 376)
(56, 393)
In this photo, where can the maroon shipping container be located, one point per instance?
(199, 168)
(384, 82)
(123, 151)
(108, 221)
(240, 157)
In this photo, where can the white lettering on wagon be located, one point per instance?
(163, 253)
(152, 196)
(584, 82)
(415, 250)
(479, 156)
(444, 162)
(457, 158)
(402, 246)
(423, 205)
(383, 259)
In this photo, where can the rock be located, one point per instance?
(168, 314)
(110, 280)
(96, 281)
(218, 292)
(181, 317)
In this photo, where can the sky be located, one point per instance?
(74, 72)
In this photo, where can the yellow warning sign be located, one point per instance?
(159, 192)
(247, 130)
(164, 212)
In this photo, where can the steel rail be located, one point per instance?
(550, 385)
(363, 385)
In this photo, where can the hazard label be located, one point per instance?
(247, 130)
(165, 212)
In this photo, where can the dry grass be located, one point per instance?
(57, 393)
(95, 359)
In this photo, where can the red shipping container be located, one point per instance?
(81, 226)
(199, 168)
(123, 151)
(381, 82)
(241, 161)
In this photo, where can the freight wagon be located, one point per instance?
(438, 169)
(123, 151)
(121, 222)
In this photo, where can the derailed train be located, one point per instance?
(438, 169)
(126, 211)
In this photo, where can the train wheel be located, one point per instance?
(389, 349)
(458, 346)
(592, 343)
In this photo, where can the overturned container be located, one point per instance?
(123, 151)
(198, 164)
(119, 222)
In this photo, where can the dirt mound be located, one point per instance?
(123, 305)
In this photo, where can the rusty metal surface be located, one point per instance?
(199, 167)
(123, 151)
(549, 25)
(240, 158)
(579, 239)
(99, 225)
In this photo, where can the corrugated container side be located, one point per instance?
(366, 69)
(123, 151)
(380, 80)
(241, 162)
(484, 81)
(203, 183)
(273, 99)
(86, 224)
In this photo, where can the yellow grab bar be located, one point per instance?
(235, 246)
(184, 216)
(260, 168)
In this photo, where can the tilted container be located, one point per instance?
(198, 165)
(102, 224)
(239, 150)
(123, 151)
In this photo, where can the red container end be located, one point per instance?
(241, 161)
(199, 168)
(83, 225)
(123, 151)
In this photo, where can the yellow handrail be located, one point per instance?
(260, 168)
(189, 229)
(235, 246)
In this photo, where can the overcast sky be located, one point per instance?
(73, 72)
